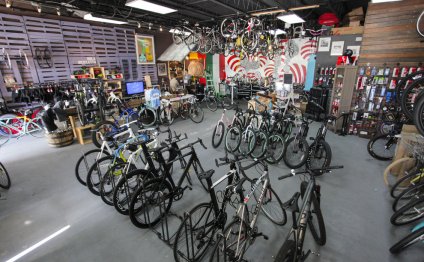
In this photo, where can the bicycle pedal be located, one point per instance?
(315, 253)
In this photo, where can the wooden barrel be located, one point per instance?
(60, 139)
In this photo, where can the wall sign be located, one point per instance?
(87, 61)
(355, 49)
(145, 49)
(337, 48)
(162, 69)
(324, 44)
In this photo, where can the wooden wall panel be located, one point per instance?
(390, 34)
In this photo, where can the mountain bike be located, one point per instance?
(4, 177)
(309, 216)
(153, 198)
(242, 232)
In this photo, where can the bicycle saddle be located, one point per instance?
(206, 175)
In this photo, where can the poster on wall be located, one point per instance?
(162, 69)
(355, 49)
(145, 49)
(324, 44)
(337, 48)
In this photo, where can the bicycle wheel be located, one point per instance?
(5, 134)
(196, 113)
(271, 205)
(247, 143)
(35, 129)
(4, 177)
(226, 102)
(410, 96)
(409, 193)
(411, 179)
(296, 152)
(211, 103)
(287, 252)
(233, 139)
(104, 128)
(411, 212)
(315, 221)
(81, 114)
(110, 180)
(195, 233)
(167, 116)
(233, 242)
(147, 117)
(85, 162)
(419, 114)
(218, 134)
(319, 155)
(125, 188)
(96, 173)
(178, 35)
(150, 202)
(260, 146)
(382, 147)
(407, 241)
(275, 149)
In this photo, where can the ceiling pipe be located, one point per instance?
(228, 7)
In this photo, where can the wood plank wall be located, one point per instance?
(390, 35)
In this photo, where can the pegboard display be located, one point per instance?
(42, 28)
(60, 72)
(78, 39)
(104, 41)
(13, 36)
(125, 41)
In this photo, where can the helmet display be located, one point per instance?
(348, 52)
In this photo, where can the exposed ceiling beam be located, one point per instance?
(185, 7)
(228, 6)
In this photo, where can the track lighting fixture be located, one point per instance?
(138, 25)
(39, 8)
(58, 11)
(8, 3)
(150, 26)
(160, 28)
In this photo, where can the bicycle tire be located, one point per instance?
(247, 142)
(269, 195)
(200, 241)
(406, 195)
(275, 142)
(218, 135)
(319, 235)
(419, 114)
(12, 120)
(81, 115)
(5, 181)
(229, 231)
(147, 117)
(226, 102)
(177, 35)
(155, 186)
(196, 113)
(403, 83)
(303, 156)
(287, 252)
(95, 176)
(384, 141)
(103, 127)
(420, 24)
(403, 217)
(410, 96)
(322, 147)
(398, 162)
(407, 241)
(211, 103)
(133, 179)
(261, 144)
(5, 134)
(87, 164)
(110, 180)
(417, 175)
(233, 134)
(35, 129)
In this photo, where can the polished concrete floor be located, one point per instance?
(45, 197)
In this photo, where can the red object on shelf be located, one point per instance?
(202, 81)
(345, 60)
(328, 19)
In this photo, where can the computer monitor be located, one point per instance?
(134, 88)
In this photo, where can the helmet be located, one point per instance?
(348, 52)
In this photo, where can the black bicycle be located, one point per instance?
(153, 198)
(4, 177)
(309, 215)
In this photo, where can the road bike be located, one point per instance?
(20, 126)
(309, 215)
(223, 123)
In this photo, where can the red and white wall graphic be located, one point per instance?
(293, 60)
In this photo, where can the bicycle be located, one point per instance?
(219, 130)
(296, 151)
(310, 211)
(4, 177)
(153, 198)
(20, 126)
(415, 236)
(242, 232)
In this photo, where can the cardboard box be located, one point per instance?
(354, 30)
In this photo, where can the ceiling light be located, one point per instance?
(270, 12)
(138, 25)
(277, 32)
(176, 31)
(303, 7)
(39, 8)
(150, 26)
(90, 17)
(8, 3)
(291, 18)
(144, 5)
(383, 1)
(58, 11)
(160, 28)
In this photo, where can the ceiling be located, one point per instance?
(202, 11)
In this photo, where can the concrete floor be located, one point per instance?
(45, 197)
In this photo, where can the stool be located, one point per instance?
(80, 132)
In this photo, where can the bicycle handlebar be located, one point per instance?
(312, 172)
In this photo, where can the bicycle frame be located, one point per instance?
(23, 129)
